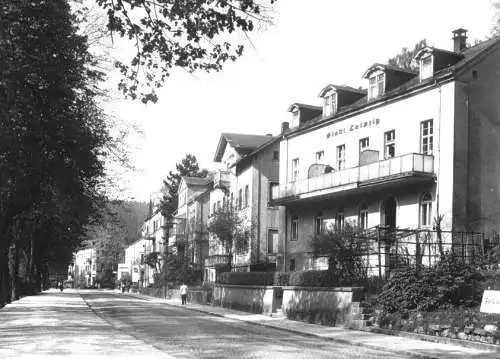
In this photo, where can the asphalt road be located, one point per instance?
(181, 333)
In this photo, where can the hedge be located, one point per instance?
(313, 278)
(247, 278)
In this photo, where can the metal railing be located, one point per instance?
(380, 170)
(217, 260)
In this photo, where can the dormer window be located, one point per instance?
(426, 67)
(330, 104)
(295, 117)
(376, 86)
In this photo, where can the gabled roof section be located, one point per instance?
(384, 67)
(338, 88)
(195, 181)
(243, 144)
(303, 105)
(470, 56)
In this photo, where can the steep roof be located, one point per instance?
(195, 181)
(242, 143)
(470, 56)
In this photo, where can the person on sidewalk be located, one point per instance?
(184, 292)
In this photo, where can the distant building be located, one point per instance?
(414, 146)
(251, 166)
(85, 268)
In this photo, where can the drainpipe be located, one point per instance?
(439, 148)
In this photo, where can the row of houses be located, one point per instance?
(411, 147)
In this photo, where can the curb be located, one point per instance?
(435, 339)
(411, 354)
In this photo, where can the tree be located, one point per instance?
(405, 58)
(345, 249)
(51, 139)
(192, 35)
(230, 229)
(187, 167)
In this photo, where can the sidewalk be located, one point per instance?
(55, 324)
(413, 347)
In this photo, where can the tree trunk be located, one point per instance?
(4, 278)
(14, 271)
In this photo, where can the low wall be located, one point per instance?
(330, 306)
(241, 297)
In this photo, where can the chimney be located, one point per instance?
(284, 127)
(459, 39)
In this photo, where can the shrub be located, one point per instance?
(282, 278)
(313, 278)
(247, 278)
(447, 284)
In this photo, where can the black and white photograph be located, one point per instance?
(249, 179)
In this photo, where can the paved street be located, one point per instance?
(104, 323)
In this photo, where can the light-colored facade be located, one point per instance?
(413, 147)
(152, 241)
(85, 268)
(251, 166)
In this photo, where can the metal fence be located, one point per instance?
(385, 250)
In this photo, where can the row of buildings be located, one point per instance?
(411, 147)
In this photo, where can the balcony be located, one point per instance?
(221, 180)
(409, 168)
(218, 260)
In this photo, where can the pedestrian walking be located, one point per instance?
(184, 292)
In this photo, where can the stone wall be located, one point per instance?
(331, 306)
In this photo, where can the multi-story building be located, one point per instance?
(251, 166)
(189, 234)
(413, 147)
(151, 244)
(85, 268)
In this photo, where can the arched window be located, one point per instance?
(426, 210)
(363, 216)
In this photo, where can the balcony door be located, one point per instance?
(389, 212)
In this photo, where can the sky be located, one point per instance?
(311, 44)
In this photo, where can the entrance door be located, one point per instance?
(389, 212)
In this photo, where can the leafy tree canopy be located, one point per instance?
(405, 58)
(189, 34)
(187, 167)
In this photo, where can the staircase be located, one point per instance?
(360, 313)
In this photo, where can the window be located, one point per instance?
(318, 224)
(240, 195)
(246, 196)
(319, 156)
(426, 68)
(376, 86)
(364, 143)
(426, 210)
(270, 192)
(426, 137)
(363, 217)
(295, 169)
(292, 264)
(231, 200)
(272, 241)
(339, 219)
(213, 210)
(330, 104)
(390, 144)
(276, 155)
(340, 157)
(295, 228)
(295, 117)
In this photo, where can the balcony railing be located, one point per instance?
(381, 171)
(218, 260)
